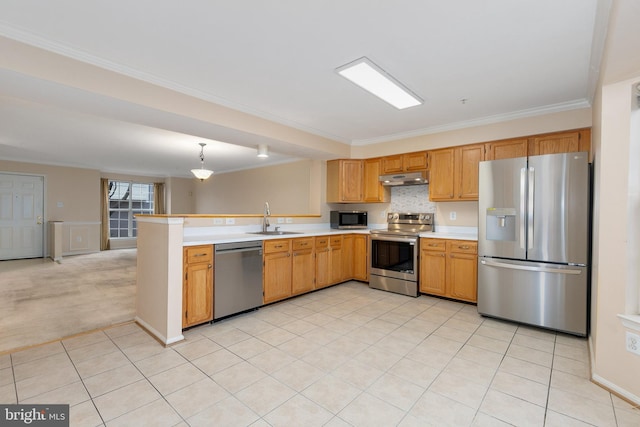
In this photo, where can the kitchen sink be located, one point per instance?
(274, 232)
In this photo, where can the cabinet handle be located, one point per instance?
(463, 247)
(210, 266)
(199, 255)
(288, 254)
(433, 245)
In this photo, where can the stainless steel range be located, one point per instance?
(394, 252)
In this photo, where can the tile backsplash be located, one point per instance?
(411, 198)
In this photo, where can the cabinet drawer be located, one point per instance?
(462, 246)
(195, 254)
(322, 242)
(433, 244)
(335, 242)
(304, 243)
(277, 245)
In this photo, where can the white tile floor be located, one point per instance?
(346, 355)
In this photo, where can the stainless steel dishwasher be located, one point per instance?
(238, 278)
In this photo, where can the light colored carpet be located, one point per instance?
(41, 300)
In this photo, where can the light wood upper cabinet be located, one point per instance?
(507, 149)
(454, 173)
(197, 288)
(561, 142)
(344, 181)
(467, 162)
(405, 162)
(373, 190)
(441, 179)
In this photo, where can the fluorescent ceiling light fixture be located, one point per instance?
(374, 79)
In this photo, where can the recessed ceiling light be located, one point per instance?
(375, 80)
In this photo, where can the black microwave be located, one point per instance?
(348, 219)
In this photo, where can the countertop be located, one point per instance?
(205, 236)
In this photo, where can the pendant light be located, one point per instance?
(202, 173)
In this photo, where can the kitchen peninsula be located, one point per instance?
(161, 241)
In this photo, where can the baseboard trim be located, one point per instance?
(157, 335)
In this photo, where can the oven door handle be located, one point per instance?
(411, 241)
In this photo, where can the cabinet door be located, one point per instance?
(565, 142)
(351, 181)
(432, 272)
(392, 164)
(468, 159)
(508, 149)
(303, 271)
(197, 294)
(277, 276)
(414, 161)
(463, 272)
(361, 257)
(442, 174)
(323, 267)
(462, 268)
(336, 265)
(373, 190)
(347, 257)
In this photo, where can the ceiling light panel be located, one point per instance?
(364, 73)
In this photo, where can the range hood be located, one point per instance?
(409, 178)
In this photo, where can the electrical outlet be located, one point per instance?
(280, 220)
(289, 220)
(230, 221)
(452, 215)
(633, 343)
(218, 221)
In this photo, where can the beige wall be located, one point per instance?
(290, 188)
(180, 198)
(615, 275)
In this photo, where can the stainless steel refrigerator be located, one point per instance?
(534, 240)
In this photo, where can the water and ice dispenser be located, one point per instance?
(501, 224)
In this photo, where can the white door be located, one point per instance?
(21, 216)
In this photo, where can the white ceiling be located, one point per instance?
(276, 60)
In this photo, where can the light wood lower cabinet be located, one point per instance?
(335, 243)
(303, 269)
(296, 266)
(276, 271)
(323, 262)
(449, 268)
(197, 287)
(361, 257)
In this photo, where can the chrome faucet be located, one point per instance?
(265, 219)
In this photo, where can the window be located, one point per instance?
(127, 199)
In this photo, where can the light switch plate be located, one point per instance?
(218, 221)
(230, 221)
(289, 220)
(280, 220)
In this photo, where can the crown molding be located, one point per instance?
(498, 118)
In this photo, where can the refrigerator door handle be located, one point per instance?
(530, 190)
(528, 268)
(523, 206)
